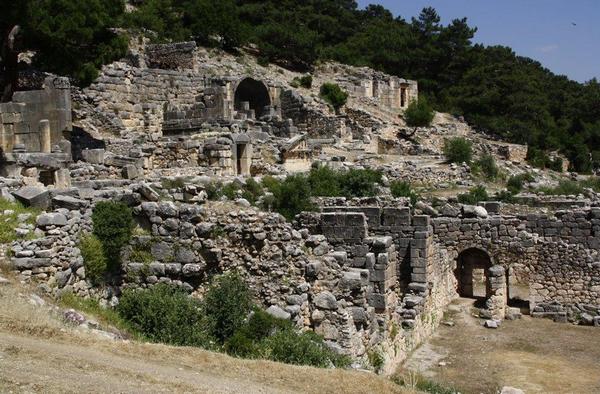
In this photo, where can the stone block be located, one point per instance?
(130, 172)
(51, 219)
(68, 202)
(93, 156)
(377, 301)
(421, 221)
(34, 196)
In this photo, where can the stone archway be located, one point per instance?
(251, 95)
(472, 274)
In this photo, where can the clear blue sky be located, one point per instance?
(540, 29)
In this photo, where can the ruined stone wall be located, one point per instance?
(20, 119)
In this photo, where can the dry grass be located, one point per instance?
(35, 346)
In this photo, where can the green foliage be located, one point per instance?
(250, 190)
(113, 225)
(334, 95)
(376, 360)
(359, 183)
(290, 196)
(515, 183)
(302, 349)
(487, 167)
(226, 305)
(540, 159)
(10, 221)
(305, 81)
(419, 113)
(70, 38)
(165, 313)
(475, 195)
(94, 260)
(564, 188)
(458, 150)
(403, 189)
(106, 316)
(324, 182)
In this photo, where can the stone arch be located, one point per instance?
(472, 273)
(253, 92)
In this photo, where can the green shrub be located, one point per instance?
(94, 259)
(306, 348)
(458, 150)
(113, 225)
(334, 95)
(230, 190)
(252, 190)
(403, 189)
(565, 187)
(246, 342)
(324, 182)
(305, 81)
(376, 360)
(515, 182)
(214, 191)
(290, 196)
(227, 304)
(165, 313)
(359, 183)
(475, 195)
(419, 113)
(486, 166)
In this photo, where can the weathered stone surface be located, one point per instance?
(68, 202)
(277, 312)
(51, 219)
(325, 300)
(34, 196)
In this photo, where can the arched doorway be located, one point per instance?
(472, 274)
(253, 92)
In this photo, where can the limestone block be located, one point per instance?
(34, 196)
(93, 156)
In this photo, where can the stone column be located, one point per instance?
(45, 137)
(496, 304)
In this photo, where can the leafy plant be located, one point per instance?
(334, 95)
(515, 183)
(419, 113)
(226, 306)
(403, 189)
(458, 150)
(475, 195)
(9, 221)
(165, 313)
(486, 165)
(305, 81)
(94, 260)
(113, 225)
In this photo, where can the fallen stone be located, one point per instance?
(277, 312)
(325, 300)
(513, 313)
(68, 202)
(34, 196)
(511, 390)
(93, 156)
(149, 193)
(4, 281)
(491, 324)
(52, 219)
(73, 317)
(130, 172)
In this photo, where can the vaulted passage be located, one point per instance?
(254, 93)
(472, 273)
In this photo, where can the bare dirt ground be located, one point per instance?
(40, 354)
(535, 355)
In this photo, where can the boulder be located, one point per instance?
(68, 202)
(52, 219)
(277, 312)
(34, 196)
(325, 300)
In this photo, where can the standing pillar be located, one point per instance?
(45, 139)
(496, 303)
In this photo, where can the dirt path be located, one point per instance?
(55, 366)
(535, 355)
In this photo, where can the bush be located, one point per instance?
(475, 195)
(419, 113)
(334, 95)
(403, 189)
(515, 182)
(165, 313)
(94, 259)
(290, 196)
(324, 182)
(458, 150)
(113, 225)
(565, 187)
(305, 81)
(359, 183)
(486, 165)
(227, 304)
(246, 342)
(306, 348)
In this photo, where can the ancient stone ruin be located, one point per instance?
(157, 129)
